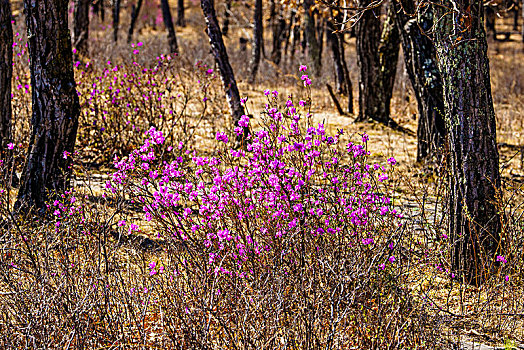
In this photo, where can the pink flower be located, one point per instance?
(221, 137)
(302, 68)
(10, 145)
(501, 259)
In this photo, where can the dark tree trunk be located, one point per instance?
(377, 55)
(81, 26)
(279, 36)
(180, 14)
(310, 35)
(227, 14)
(321, 26)
(222, 60)
(258, 32)
(420, 58)
(168, 22)
(116, 19)
(474, 222)
(522, 12)
(135, 11)
(343, 81)
(54, 121)
(490, 16)
(98, 8)
(6, 73)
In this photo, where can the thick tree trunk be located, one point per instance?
(180, 14)
(98, 8)
(6, 73)
(81, 26)
(310, 36)
(475, 223)
(258, 33)
(168, 22)
(135, 11)
(227, 14)
(420, 58)
(377, 55)
(222, 60)
(54, 121)
(116, 19)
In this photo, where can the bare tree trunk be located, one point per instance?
(377, 54)
(135, 11)
(55, 104)
(420, 58)
(343, 85)
(180, 14)
(310, 35)
(98, 8)
(279, 36)
(116, 19)
(227, 14)
(349, 84)
(222, 60)
(522, 12)
(6, 74)
(81, 26)
(168, 22)
(475, 222)
(258, 33)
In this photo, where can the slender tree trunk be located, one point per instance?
(98, 8)
(310, 35)
(168, 22)
(475, 223)
(420, 58)
(54, 121)
(180, 14)
(279, 36)
(116, 19)
(81, 26)
(222, 60)
(377, 55)
(258, 32)
(344, 85)
(135, 11)
(6, 74)
(227, 14)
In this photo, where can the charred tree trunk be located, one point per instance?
(258, 32)
(420, 58)
(310, 35)
(116, 19)
(474, 220)
(222, 60)
(54, 121)
(168, 22)
(377, 55)
(81, 26)
(6, 73)
(180, 14)
(135, 11)
(227, 14)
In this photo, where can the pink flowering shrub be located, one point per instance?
(291, 180)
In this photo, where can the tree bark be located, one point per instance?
(227, 14)
(81, 26)
(6, 74)
(279, 36)
(116, 19)
(258, 32)
(98, 8)
(168, 22)
(343, 85)
(420, 58)
(180, 14)
(54, 121)
(222, 60)
(474, 223)
(310, 36)
(135, 11)
(377, 56)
